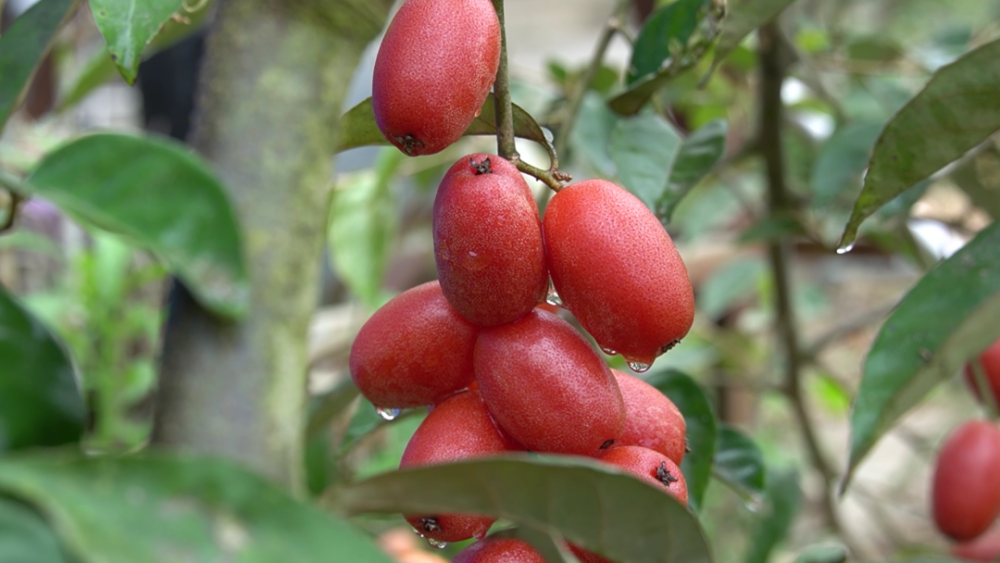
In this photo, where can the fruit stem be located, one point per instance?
(552, 178)
(985, 391)
(501, 96)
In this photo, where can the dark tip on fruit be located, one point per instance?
(409, 143)
(481, 167)
(430, 524)
(664, 475)
(669, 345)
(607, 444)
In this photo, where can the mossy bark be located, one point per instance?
(271, 90)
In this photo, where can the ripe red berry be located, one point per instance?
(547, 388)
(458, 428)
(488, 241)
(587, 556)
(966, 487)
(649, 466)
(985, 548)
(499, 550)
(616, 269)
(990, 361)
(433, 72)
(413, 351)
(651, 418)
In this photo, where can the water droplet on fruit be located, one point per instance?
(418, 532)
(438, 544)
(845, 248)
(608, 351)
(387, 414)
(638, 367)
(552, 298)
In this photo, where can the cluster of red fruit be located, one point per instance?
(498, 372)
(965, 491)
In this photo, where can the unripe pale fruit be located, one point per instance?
(433, 72)
(651, 467)
(488, 241)
(413, 351)
(458, 428)
(547, 388)
(616, 269)
(990, 360)
(965, 490)
(499, 550)
(985, 548)
(651, 418)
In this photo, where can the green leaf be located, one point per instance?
(698, 154)
(128, 25)
(772, 227)
(739, 464)
(947, 318)
(590, 504)
(954, 112)
(327, 406)
(24, 45)
(160, 508)
(745, 16)
(362, 227)
(979, 179)
(823, 554)
(701, 429)
(591, 137)
(841, 161)
(665, 33)
(643, 149)
(783, 500)
(40, 403)
(25, 537)
(730, 284)
(160, 196)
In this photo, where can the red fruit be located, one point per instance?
(458, 428)
(547, 388)
(651, 418)
(617, 271)
(966, 486)
(413, 351)
(985, 548)
(649, 466)
(488, 241)
(499, 550)
(990, 360)
(433, 72)
(587, 556)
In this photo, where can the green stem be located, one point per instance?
(501, 96)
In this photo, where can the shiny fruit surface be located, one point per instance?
(616, 269)
(488, 241)
(458, 428)
(413, 351)
(499, 550)
(651, 467)
(965, 491)
(433, 71)
(651, 418)
(547, 388)
(990, 361)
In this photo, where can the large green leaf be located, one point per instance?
(25, 537)
(783, 500)
(982, 188)
(947, 318)
(643, 149)
(954, 112)
(698, 154)
(701, 429)
(160, 508)
(591, 138)
(739, 463)
(663, 35)
(842, 160)
(24, 45)
(128, 25)
(743, 17)
(160, 196)
(590, 504)
(40, 403)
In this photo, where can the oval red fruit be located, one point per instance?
(413, 351)
(458, 428)
(965, 491)
(587, 556)
(616, 269)
(985, 548)
(433, 71)
(651, 418)
(651, 467)
(547, 388)
(488, 241)
(990, 361)
(499, 550)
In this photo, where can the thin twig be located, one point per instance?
(501, 96)
(552, 178)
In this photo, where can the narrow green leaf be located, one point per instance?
(947, 318)
(128, 25)
(160, 508)
(783, 500)
(665, 33)
(25, 537)
(643, 149)
(698, 154)
(842, 160)
(739, 464)
(590, 504)
(745, 16)
(24, 45)
(40, 403)
(159, 195)
(954, 112)
(982, 187)
(701, 429)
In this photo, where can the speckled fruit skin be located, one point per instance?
(965, 491)
(648, 466)
(616, 269)
(458, 428)
(413, 351)
(488, 241)
(547, 388)
(433, 71)
(498, 550)
(985, 548)
(990, 360)
(587, 556)
(651, 418)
